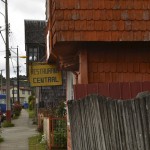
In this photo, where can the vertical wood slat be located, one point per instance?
(148, 116)
(144, 121)
(98, 122)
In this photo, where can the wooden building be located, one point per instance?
(105, 44)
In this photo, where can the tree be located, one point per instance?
(31, 102)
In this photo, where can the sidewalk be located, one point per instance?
(16, 138)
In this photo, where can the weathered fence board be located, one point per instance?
(100, 123)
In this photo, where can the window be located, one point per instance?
(3, 101)
(33, 54)
(14, 91)
(4, 91)
(23, 91)
(28, 92)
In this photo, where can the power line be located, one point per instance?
(2, 37)
(13, 65)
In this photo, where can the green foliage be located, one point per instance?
(30, 98)
(15, 117)
(60, 139)
(31, 114)
(60, 110)
(16, 109)
(1, 139)
(34, 143)
(6, 124)
(60, 129)
(31, 102)
(60, 133)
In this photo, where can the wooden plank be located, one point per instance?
(112, 116)
(121, 125)
(139, 125)
(125, 126)
(102, 107)
(100, 125)
(135, 124)
(128, 129)
(144, 120)
(89, 125)
(148, 117)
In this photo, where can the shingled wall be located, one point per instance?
(104, 20)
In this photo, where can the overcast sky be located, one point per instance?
(18, 11)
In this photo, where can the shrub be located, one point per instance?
(60, 138)
(31, 102)
(16, 109)
(60, 133)
(61, 109)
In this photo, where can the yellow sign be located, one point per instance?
(42, 74)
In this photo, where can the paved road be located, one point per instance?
(16, 138)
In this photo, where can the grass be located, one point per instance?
(34, 143)
(15, 117)
(31, 113)
(1, 139)
(6, 124)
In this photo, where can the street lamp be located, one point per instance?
(8, 104)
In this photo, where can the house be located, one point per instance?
(34, 45)
(48, 93)
(104, 46)
(35, 52)
(34, 41)
(24, 93)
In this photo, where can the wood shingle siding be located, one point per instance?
(103, 20)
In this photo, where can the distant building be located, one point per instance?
(35, 46)
(34, 41)
(24, 93)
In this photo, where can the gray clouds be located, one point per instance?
(28, 8)
(18, 11)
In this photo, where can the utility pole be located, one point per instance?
(8, 104)
(1, 81)
(13, 92)
(18, 96)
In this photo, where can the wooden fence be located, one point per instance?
(100, 123)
